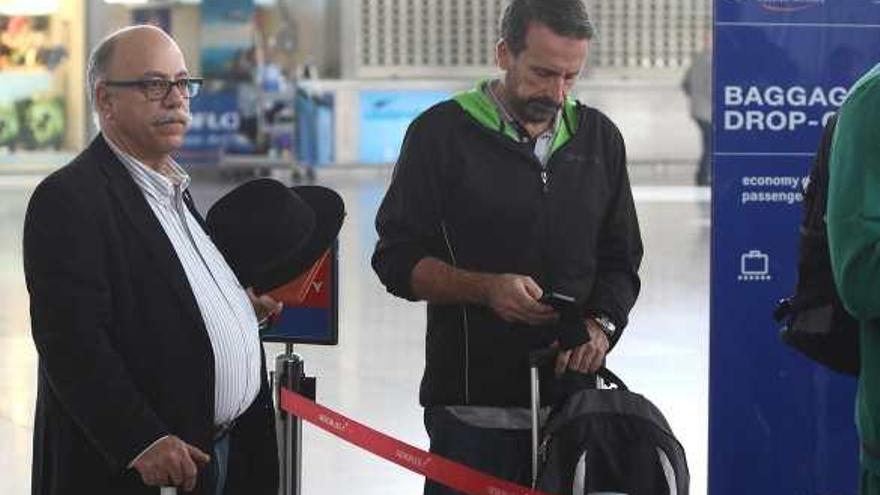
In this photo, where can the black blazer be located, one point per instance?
(124, 356)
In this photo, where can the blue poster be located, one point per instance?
(227, 39)
(778, 423)
(313, 139)
(385, 116)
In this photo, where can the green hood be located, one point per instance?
(481, 108)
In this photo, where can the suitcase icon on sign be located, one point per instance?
(754, 265)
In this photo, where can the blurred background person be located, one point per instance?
(697, 85)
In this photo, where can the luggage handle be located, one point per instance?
(542, 357)
(536, 405)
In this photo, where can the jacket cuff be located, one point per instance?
(131, 464)
(124, 453)
(399, 271)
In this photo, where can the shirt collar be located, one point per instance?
(509, 119)
(164, 187)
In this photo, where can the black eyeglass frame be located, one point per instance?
(190, 85)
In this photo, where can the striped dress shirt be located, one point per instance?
(225, 307)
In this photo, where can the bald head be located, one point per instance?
(125, 71)
(123, 50)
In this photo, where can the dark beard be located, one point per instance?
(535, 110)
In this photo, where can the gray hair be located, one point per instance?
(567, 18)
(99, 62)
(102, 55)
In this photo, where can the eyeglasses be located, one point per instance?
(159, 89)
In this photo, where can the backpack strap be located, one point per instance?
(817, 190)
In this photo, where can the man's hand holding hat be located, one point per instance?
(270, 234)
(265, 306)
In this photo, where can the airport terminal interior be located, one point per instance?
(304, 102)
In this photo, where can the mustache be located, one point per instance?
(173, 118)
(538, 109)
(543, 104)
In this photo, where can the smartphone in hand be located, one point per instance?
(560, 302)
(570, 328)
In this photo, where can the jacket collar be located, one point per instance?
(480, 107)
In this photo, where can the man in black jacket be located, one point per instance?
(151, 372)
(499, 195)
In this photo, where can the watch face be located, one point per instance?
(606, 325)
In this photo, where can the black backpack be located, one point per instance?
(815, 321)
(610, 440)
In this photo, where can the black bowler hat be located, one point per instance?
(270, 234)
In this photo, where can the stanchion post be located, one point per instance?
(289, 373)
(536, 405)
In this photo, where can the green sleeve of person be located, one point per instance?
(854, 199)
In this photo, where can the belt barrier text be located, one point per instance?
(434, 467)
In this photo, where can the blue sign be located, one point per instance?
(838, 12)
(778, 423)
(215, 121)
(385, 116)
(311, 305)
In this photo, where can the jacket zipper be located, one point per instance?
(545, 171)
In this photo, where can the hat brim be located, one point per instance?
(329, 214)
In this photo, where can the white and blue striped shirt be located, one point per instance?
(225, 307)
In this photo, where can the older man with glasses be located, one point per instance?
(151, 371)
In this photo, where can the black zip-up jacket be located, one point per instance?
(471, 196)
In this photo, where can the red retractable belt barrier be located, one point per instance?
(439, 469)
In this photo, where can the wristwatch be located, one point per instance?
(606, 325)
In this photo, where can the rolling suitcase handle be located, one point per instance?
(536, 360)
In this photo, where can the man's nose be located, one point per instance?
(176, 96)
(560, 87)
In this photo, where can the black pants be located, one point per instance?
(704, 172)
(501, 453)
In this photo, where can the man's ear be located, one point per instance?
(503, 55)
(103, 101)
